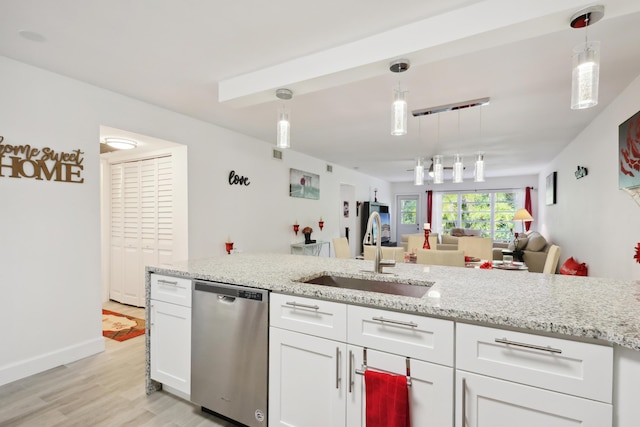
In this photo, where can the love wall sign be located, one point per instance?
(25, 161)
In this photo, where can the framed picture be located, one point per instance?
(551, 188)
(345, 209)
(304, 184)
(629, 152)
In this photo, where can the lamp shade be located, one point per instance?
(585, 76)
(284, 129)
(522, 215)
(399, 114)
(418, 178)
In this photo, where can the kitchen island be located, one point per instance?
(598, 310)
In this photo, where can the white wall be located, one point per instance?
(513, 182)
(593, 220)
(50, 254)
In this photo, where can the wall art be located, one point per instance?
(551, 188)
(304, 184)
(629, 152)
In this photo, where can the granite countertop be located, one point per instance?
(582, 307)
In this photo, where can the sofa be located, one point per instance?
(534, 248)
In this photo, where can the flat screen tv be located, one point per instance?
(385, 220)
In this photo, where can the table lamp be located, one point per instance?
(522, 215)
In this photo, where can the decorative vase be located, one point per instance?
(296, 227)
(307, 238)
(229, 247)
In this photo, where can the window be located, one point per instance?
(408, 211)
(490, 211)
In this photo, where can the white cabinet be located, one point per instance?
(506, 378)
(170, 333)
(306, 380)
(317, 347)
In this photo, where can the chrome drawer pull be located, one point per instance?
(295, 304)
(531, 346)
(395, 322)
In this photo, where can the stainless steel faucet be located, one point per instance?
(378, 262)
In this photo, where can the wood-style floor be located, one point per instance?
(102, 390)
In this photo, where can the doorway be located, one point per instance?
(143, 213)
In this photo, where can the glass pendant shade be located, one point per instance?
(399, 114)
(284, 130)
(438, 170)
(478, 172)
(418, 172)
(458, 169)
(586, 75)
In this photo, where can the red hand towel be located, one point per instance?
(387, 400)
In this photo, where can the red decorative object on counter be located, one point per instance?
(229, 247)
(296, 227)
(427, 230)
(321, 223)
(637, 255)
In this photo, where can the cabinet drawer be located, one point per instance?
(175, 290)
(310, 316)
(410, 335)
(576, 368)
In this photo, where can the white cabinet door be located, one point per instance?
(483, 401)
(430, 393)
(307, 380)
(170, 339)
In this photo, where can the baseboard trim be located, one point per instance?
(34, 365)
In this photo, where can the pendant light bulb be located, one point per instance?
(284, 129)
(418, 172)
(478, 172)
(438, 170)
(399, 114)
(458, 169)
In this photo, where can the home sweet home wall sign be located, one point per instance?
(25, 161)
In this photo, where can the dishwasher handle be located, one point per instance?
(229, 293)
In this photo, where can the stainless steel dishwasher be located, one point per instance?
(230, 348)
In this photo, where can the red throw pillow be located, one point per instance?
(571, 267)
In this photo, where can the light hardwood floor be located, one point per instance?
(102, 390)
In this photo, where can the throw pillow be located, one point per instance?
(457, 232)
(449, 240)
(571, 267)
(536, 242)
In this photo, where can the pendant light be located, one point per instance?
(283, 133)
(586, 61)
(399, 107)
(478, 172)
(438, 170)
(458, 169)
(418, 172)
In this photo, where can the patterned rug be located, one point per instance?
(120, 327)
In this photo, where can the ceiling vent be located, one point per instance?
(329, 168)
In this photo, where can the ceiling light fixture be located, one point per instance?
(283, 133)
(399, 106)
(458, 169)
(121, 143)
(451, 107)
(438, 170)
(418, 172)
(586, 61)
(478, 172)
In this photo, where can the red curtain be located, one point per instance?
(527, 206)
(429, 206)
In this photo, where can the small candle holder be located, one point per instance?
(321, 224)
(229, 247)
(296, 227)
(426, 239)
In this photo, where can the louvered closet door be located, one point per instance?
(141, 224)
(117, 234)
(165, 211)
(132, 228)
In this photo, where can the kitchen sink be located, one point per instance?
(372, 285)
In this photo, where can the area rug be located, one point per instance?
(120, 327)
